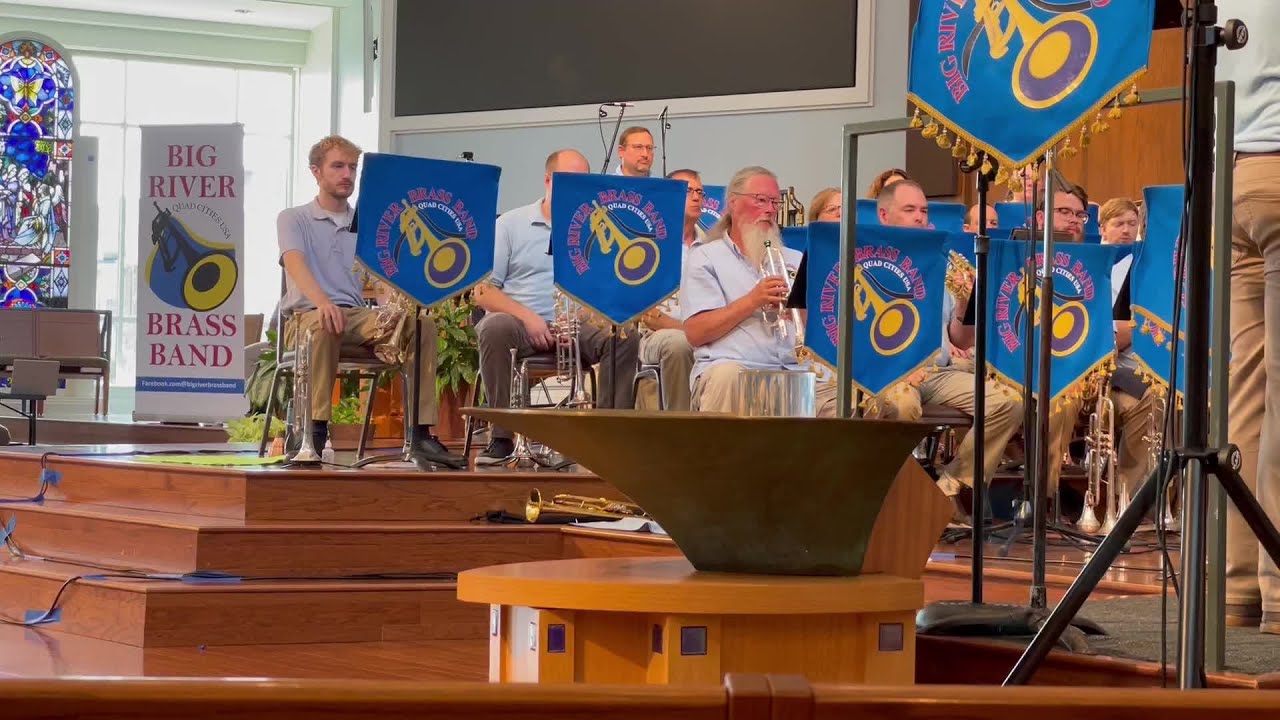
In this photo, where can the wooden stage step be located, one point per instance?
(174, 543)
(158, 613)
(276, 493)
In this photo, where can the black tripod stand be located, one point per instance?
(1194, 459)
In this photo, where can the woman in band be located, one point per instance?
(825, 206)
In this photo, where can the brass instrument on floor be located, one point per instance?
(566, 329)
(392, 322)
(302, 401)
(1100, 463)
(791, 213)
(568, 507)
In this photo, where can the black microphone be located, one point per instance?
(662, 118)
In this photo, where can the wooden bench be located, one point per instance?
(741, 697)
(80, 340)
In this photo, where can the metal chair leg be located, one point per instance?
(368, 417)
(470, 426)
(662, 401)
(266, 422)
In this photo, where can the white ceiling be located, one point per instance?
(296, 14)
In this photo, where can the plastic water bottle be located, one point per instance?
(326, 456)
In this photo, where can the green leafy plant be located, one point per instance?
(249, 428)
(457, 350)
(347, 411)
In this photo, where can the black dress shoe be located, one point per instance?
(430, 447)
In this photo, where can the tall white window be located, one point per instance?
(118, 96)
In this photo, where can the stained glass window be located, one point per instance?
(37, 127)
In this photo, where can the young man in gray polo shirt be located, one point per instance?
(519, 303)
(318, 251)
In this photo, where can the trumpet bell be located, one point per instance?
(1055, 62)
(448, 263)
(895, 327)
(637, 262)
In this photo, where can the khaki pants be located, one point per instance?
(670, 350)
(952, 387)
(1254, 401)
(716, 388)
(1132, 426)
(499, 333)
(361, 329)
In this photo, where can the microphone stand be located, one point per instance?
(664, 126)
(617, 127)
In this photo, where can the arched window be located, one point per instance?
(37, 132)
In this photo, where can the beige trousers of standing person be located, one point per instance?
(716, 390)
(361, 329)
(669, 349)
(1254, 399)
(952, 386)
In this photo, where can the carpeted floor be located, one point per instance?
(1133, 627)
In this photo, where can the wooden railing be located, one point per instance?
(742, 697)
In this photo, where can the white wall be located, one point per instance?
(802, 146)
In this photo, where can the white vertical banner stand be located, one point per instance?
(190, 278)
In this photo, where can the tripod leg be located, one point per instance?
(1228, 476)
(1060, 619)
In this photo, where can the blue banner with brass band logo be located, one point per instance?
(427, 226)
(897, 322)
(1152, 280)
(712, 207)
(1083, 334)
(617, 242)
(1013, 78)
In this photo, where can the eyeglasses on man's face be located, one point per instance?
(697, 192)
(635, 147)
(761, 199)
(1068, 213)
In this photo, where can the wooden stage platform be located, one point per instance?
(168, 570)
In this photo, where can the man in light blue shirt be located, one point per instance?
(519, 305)
(663, 342)
(950, 384)
(324, 298)
(635, 153)
(1253, 581)
(723, 297)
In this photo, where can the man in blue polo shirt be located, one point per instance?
(318, 251)
(519, 305)
(722, 296)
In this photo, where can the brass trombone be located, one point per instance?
(575, 507)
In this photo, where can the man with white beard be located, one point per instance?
(723, 295)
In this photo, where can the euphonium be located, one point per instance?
(572, 507)
(392, 320)
(302, 401)
(1099, 462)
(786, 323)
(566, 329)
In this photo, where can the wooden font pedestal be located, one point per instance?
(657, 621)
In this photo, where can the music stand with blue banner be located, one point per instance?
(425, 227)
(712, 208)
(1002, 84)
(796, 237)
(898, 298)
(866, 212)
(1153, 280)
(947, 216)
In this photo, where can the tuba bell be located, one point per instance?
(567, 508)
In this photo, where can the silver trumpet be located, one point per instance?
(785, 322)
(1100, 463)
(566, 328)
(302, 402)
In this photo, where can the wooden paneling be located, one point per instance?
(1144, 147)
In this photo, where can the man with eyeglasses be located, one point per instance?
(635, 152)
(950, 382)
(1070, 215)
(723, 297)
(663, 342)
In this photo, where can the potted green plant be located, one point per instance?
(457, 363)
(346, 419)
